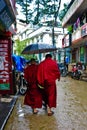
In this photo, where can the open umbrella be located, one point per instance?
(37, 48)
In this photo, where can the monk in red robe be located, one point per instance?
(47, 74)
(33, 96)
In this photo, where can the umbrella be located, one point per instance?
(37, 48)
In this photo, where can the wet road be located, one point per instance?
(70, 114)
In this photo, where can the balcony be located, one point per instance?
(80, 36)
(77, 9)
(76, 35)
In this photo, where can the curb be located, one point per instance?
(9, 113)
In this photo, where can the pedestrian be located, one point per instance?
(33, 96)
(47, 74)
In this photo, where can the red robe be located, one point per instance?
(47, 74)
(33, 96)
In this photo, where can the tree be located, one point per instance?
(63, 11)
(36, 10)
(20, 45)
(25, 4)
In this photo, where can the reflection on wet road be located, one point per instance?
(70, 114)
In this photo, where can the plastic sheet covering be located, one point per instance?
(19, 62)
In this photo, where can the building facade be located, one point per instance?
(7, 30)
(43, 34)
(76, 18)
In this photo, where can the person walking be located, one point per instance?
(47, 74)
(33, 96)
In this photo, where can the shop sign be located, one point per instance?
(6, 17)
(84, 30)
(66, 41)
(5, 65)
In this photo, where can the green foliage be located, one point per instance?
(63, 12)
(25, 4)
(70, 29)
(20, 45)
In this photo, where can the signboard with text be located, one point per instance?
(5, 66)
(66, 41)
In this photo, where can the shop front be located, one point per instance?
(5, 66)
(7, 19)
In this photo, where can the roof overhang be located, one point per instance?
(75, 11)
(7, 14)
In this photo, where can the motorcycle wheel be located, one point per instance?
(64, 73)
(23, 90)
(72, 75)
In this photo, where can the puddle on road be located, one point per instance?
(22, 118)
(70, 114)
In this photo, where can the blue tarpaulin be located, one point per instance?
(19, 62)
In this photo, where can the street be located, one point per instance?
(70, 114)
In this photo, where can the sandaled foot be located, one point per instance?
(50, 113)
(35, 111)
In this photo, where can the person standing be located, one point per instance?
(47, 74)
(33, 96)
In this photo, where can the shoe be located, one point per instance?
(51, 113)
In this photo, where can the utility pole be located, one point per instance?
(53, 35)
(56, 11)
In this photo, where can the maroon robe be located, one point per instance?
(47, 74)
(33, 96)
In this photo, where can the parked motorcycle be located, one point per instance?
(76, 72)
(63, 69)
(21, 83)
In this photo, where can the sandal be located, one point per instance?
(51, 113)
(35, 112)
